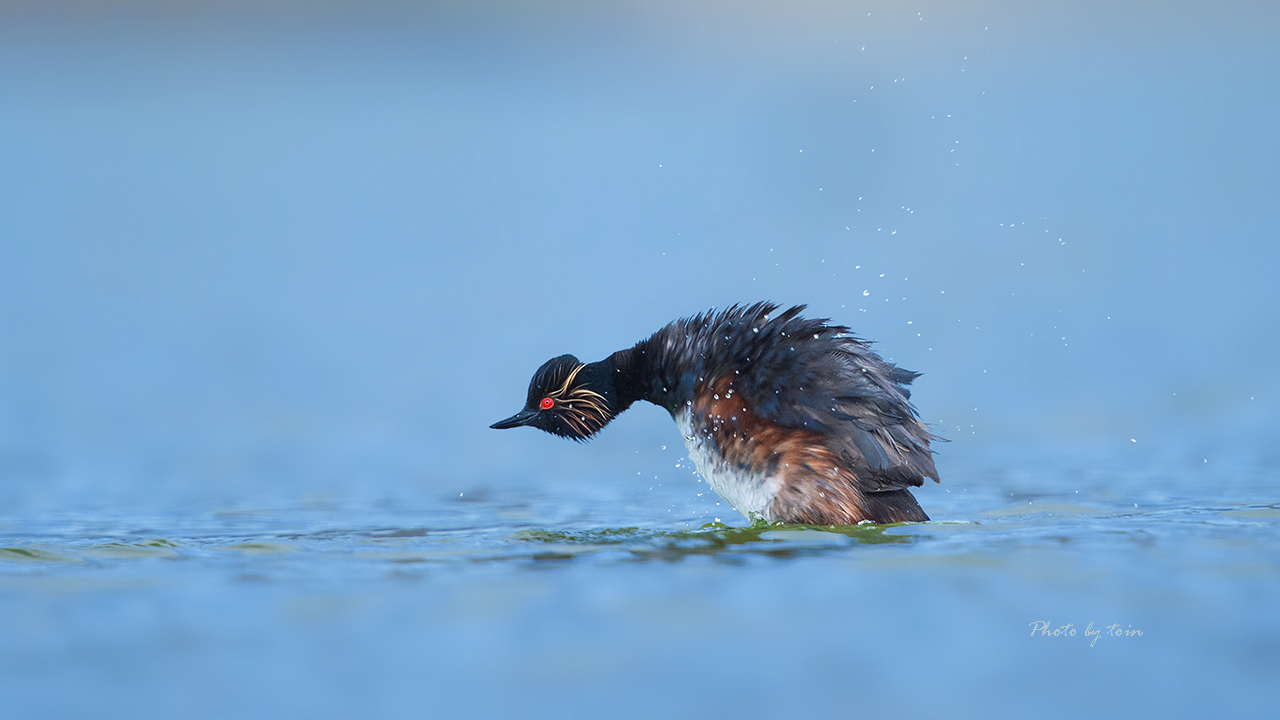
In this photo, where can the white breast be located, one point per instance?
(749, 493)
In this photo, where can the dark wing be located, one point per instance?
(839, 387)
(873, 425)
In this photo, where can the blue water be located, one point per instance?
(605, 597)
(268, 273)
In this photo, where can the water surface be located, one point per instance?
(603, 597)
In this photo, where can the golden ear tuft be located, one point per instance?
(586, 410)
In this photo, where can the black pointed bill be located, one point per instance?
(524, 417)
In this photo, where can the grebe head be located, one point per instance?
(566, 398)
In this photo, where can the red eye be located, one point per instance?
(547, 403)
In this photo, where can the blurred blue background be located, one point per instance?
(263, 257)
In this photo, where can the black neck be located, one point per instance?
(637, 375)
(630, 375)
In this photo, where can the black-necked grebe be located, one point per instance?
(788, 419)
